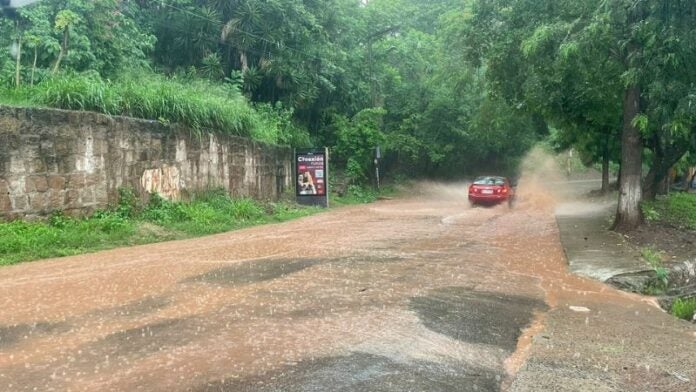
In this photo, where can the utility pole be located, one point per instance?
(370, 61)
(378, 156)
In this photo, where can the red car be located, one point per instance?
(491, 190)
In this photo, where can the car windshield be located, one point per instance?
(489, 181)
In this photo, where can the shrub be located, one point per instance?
(651, 256)
(357, 194)
(356, 142)
(162, 211)
(650, 212)
(246, 209)
(654, 259)
(209, 212)
(127, 203)
(278, 126)
(684, 308)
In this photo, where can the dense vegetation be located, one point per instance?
(338, 73)
(445, 87)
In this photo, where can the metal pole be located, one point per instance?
(378, 156)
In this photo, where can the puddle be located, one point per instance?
(139, 308)
(13, 334)
(141, 341)
(363, 372)
(253, 272)
(477, 317)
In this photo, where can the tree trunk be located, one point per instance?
(618, 175)
(628, 213)
(63, 50)
(373, 90)
(58, 60)
(19, 61)
(244, 62)
(33, 67)
(605, 170)
(663, 185)
(664, 158)
(18, 65)
(651, 180)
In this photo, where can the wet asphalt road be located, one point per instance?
(418, 294)
(398, 295)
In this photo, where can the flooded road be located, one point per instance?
(416, 294)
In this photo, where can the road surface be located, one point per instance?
(415, 294)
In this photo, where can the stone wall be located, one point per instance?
(56, 160)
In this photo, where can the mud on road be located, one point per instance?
(417, 294)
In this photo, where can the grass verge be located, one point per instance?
(678, 209)
(128, 224)
(356, 194)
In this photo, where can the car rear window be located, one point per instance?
(489, 181)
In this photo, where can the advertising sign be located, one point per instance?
(311, 174)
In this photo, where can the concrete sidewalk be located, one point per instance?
(597, 338)
(591, 249)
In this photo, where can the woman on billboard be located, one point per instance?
(306, 184)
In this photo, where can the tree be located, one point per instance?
(99, 35)
(668, 123)
(582, 65)
(33, 42)
(64, 21)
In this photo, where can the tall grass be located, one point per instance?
(211, 212)
(684, 308)
(198, 104)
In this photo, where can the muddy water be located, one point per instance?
(422, 293)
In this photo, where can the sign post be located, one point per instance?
(378, 156)
(312, 177)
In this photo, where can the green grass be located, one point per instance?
(684, 308)
(678, 209)
(215, 212)
(355, 194)
(20, 241)
(126, 225)
(654, 259)
(198, 104)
